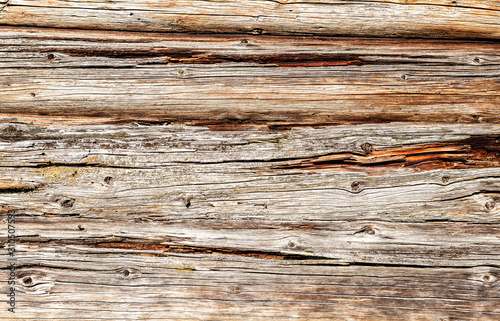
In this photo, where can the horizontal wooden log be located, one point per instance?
(32, 48)
(229, 82)
(442, 244)
(80, 283)
(441, 172)
(397, 18)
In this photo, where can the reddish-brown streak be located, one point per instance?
(319, 63)
(197, 250)
(186, 249)
(476, 151)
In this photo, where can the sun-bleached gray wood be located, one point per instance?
(188, 187)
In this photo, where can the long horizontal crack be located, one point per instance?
(127, 244)
(77, 165)
(184, 56)
(178, 56)
(187, 249)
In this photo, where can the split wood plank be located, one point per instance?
(439, 172)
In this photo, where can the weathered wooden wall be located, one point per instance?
(251, 160)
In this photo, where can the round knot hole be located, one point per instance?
(66, 202)
(368, 229)
(367, 147)
(27, 280)
(490, 205)
(488, 278)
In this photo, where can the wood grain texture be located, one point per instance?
(250, 160)
(95, 284)
(429, 18)
(228, 81)
(179, 222)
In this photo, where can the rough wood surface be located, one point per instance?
(233, 81)
(398, 18)
(178, 222)
(81, 283)
(247, 165)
